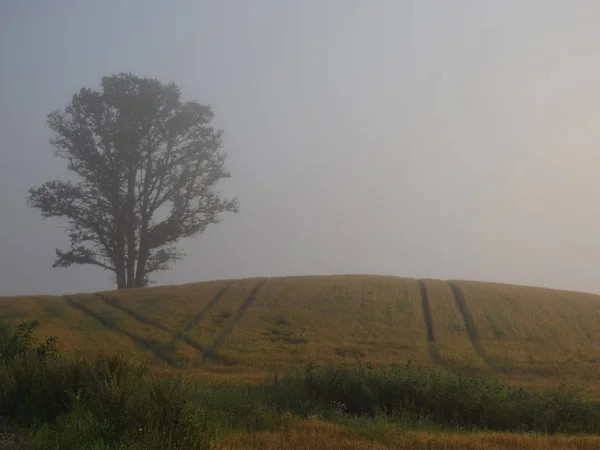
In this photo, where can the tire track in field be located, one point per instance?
(144, 343)
(238, 315)
(169, 347)
(179, 336)
(434, 353)
(427, 312)
(207, 353)
(461, 304)
(200, 315)
(116, 303)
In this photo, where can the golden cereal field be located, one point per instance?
(249, 328)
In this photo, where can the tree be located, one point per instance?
(147, 165)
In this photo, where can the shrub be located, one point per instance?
(445, 398)
(103, 403)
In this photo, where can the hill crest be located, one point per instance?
(249, 327)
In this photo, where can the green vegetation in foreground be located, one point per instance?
(108, 403)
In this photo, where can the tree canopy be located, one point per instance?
(147, 165)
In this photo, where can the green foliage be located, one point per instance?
(446, 398)
(109, 403)
(137, 149)
(103, 403)
(21, 341)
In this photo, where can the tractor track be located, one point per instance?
(207, 353)
(200, 315)
(427, 312)
(116, 303)
(181, 336)
(434, 352)
(239, 314)
(144, 343)
(461, 304)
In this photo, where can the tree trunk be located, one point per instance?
(119, 252)
(120, 262)
(130, 262)
(143, 252)
(130, 220)
(140, 274)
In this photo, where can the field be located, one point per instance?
(250, 329)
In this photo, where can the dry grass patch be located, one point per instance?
(331, 319)
(535, 331)
(172, 306)
(76, 331)
(315, 434)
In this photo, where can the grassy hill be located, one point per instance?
(247, 328)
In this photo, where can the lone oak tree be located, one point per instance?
(147, 166)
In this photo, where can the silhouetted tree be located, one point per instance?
(147, 166)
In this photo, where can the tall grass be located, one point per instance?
(103, 403)
(445, 398)
(109, 403)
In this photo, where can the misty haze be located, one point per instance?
(428, 140)
(282, 192)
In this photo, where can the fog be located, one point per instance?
(421, 139)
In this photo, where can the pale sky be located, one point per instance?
(440, 139)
